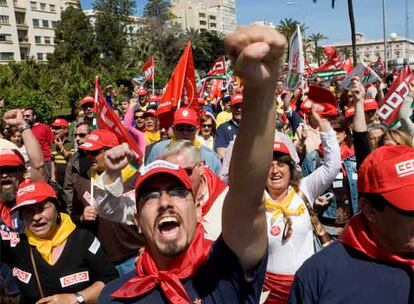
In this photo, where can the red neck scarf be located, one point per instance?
(5, 214)
(346, 151)
(215, 187)
(355, 235)
(182, 267)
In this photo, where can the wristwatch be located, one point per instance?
(79, 298)
(23, 127)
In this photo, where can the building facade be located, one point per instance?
(27, 28)
(206, 15)
(398, 49)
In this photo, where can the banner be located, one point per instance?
(296, 66)
(365, 74)
(148, 69)
(181, 89)
(219, 67)
(107, 119)
(391, 104)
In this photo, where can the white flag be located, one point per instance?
(296, 65)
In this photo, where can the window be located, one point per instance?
(212, 17)
(52, 8)
(6, 56)
(202, 22)
(45, 23)
(3, 3)
(213, 25)
(201, 15)
(4, 19)
(47, 40)
(5, 38)
(33, 6)
(43, 6)
(38, 39)
(39, 56)
(54, 24)
(35, 22)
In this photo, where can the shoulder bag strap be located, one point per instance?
(39, 286)
(318, 229)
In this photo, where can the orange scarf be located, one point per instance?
(355, 235)
(182, 267)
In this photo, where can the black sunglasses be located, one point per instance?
(184, 128)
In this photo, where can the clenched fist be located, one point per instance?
(117, 159)
(257, 53)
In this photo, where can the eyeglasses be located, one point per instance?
(57, 128)
(139, 117)
(184, 128)
(27, 116)
(207, 125)
(81, 135)
(173, 192)
(96, 152)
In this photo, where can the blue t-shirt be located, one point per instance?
(341, 274)
(225, 134)
(220, 279)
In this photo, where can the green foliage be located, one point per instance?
(74, 38)
(158, 10)
(28, 98)
(317, 50)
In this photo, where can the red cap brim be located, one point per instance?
(87, 146)
(401, 198)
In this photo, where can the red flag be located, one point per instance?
(348, 65)
(181, 89)
(107, 119)
(219, 67)
(391, 104)
(148, 68)
(334, 61)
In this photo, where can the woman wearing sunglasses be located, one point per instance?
(53, 261)
(207, 131)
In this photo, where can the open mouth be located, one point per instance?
(38, 226)
(6, 184)
(276, 177)
(168, 227)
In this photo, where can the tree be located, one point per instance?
(288, 26)
(315, 38)
(353, 31)
(158, 10)
(74, 38)
(111, 26)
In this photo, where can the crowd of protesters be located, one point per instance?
(264, 195)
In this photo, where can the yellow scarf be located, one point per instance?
(152, 137)
(282, 207)
(196, 142)
(126, 173)
(45, 246)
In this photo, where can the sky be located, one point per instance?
(320, 18)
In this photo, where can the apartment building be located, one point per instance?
(368, 50)
(206, 15)
(27, 28)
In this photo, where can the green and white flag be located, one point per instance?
(296, 65)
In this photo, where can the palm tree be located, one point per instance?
(353, 31)
(315, 38)
(288, 26)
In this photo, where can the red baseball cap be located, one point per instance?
(162, 167)
(30, 193)
(369, 105)
(87, 99)
(150, 112)
(389, 171)
(236, 99)
(60, 122)
(322, 99)
(11, 158)
(280, 147)
(154, 98)
(185, 116)
(99, 139)
(142, 92)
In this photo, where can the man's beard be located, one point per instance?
(8, 195)
(172, 250)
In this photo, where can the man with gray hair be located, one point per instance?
(209, 190)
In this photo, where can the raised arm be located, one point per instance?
(34, 152)
(257, 53)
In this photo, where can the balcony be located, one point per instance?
(22, 26)
(24, 41)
